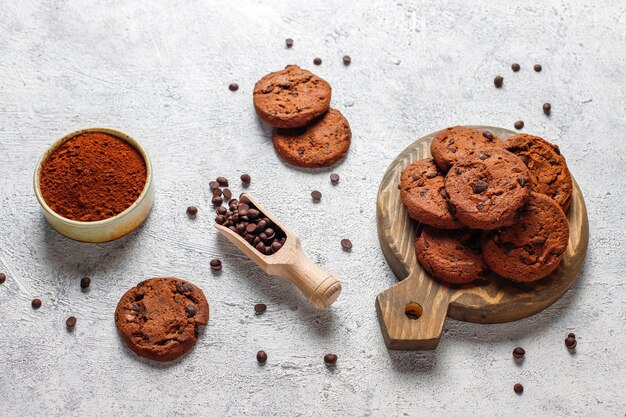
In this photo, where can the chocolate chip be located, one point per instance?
(451, 208)
(191, 310)
(268, 89)
(217, 192)
(70, 322)
(192, 211)
(508, 247)
(222, 181)
(216, 265)
(522, 181)
(187, 287)
(479, 186)
(480, 207)
(483, 156)
(570, 342)
(36, 303)
(316, 195)
(245, 179)
(317, 61)
(214, 185)
(289, 42)
(452, 149)
(85, 282)
(518, 353)
(488, 135)
(330, 359)
(518, 388)
(547, 107)
(221, 210)
(139, 295)
(537, 68)
(217, 201)
(420, 183)
(431, 175)
(3, 278)
(557, 149)
(261, 357)
(233, 87)
(346, 244)
(519, 125)
(571, 335)
(275, 246)
(227, 194)
(515, 67)
(259, 309)
(334, 178)
(444, 194)
(347, 60)
(498, 81)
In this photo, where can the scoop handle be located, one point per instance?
(319, 287)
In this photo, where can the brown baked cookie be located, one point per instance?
(451, 255)
(487, 188)
(321, 144)
(533, 247)
(420, 186)
(548, 171)
(159, 318)
(291, 97)
(455, 143)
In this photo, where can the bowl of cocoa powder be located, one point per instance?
(95, 185)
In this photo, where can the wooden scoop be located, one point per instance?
(320, 288)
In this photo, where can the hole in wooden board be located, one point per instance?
(413, 311)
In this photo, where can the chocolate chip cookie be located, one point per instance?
(291, 97)
(159, 318)
(487, 187)
(455, 143)
(320, 144)
(533, 247)
(421, 187)
(451, 255)
(548, 171)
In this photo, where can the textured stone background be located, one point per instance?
(160, 73)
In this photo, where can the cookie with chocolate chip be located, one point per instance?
(531, 248)
(455, 143)
(422, 192)
(487, 187)
(291, 97)
(160, 318)
(453, 256)
(320, 144)
(548, 170)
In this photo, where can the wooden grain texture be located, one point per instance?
(499, 301)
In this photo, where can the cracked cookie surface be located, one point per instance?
(291, 97)
(455, 143)
(421, 186)
(487, 188)
(321, 144)
(159, 318)
(534, 246)
(451, 255)
(548, 170)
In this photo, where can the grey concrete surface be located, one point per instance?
(159, 71)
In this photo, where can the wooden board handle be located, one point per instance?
(319, 287)
(411, 314)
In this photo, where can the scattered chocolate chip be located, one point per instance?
(498, 81)
(479, 186)
(70, 322)
(317, 61)
(216, 265)
(537, 68)
(571, 335)
(547, 107)
(217, 201)
(261, 357)
(518, 388)
(330, 359)
(214, 185)
(347, 60)
(518, 353)
(85, 282)
(570, 342)
(36, 303)
(3, 278)
(192, 211)
(191, 310)
(519, 125)
(346, 244)
(334, 178)
(245, 179)
(227, 194)
(222, 181)
(259, 309)
(316, 195)
(515, 67)
(289, 42)
(233, 87)
(488, 135)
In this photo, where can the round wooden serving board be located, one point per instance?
(420, 295)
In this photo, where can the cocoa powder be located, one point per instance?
(92, 177)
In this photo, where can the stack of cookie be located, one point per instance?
(485, 204)
(308, 133)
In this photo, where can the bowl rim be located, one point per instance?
(59, 142)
